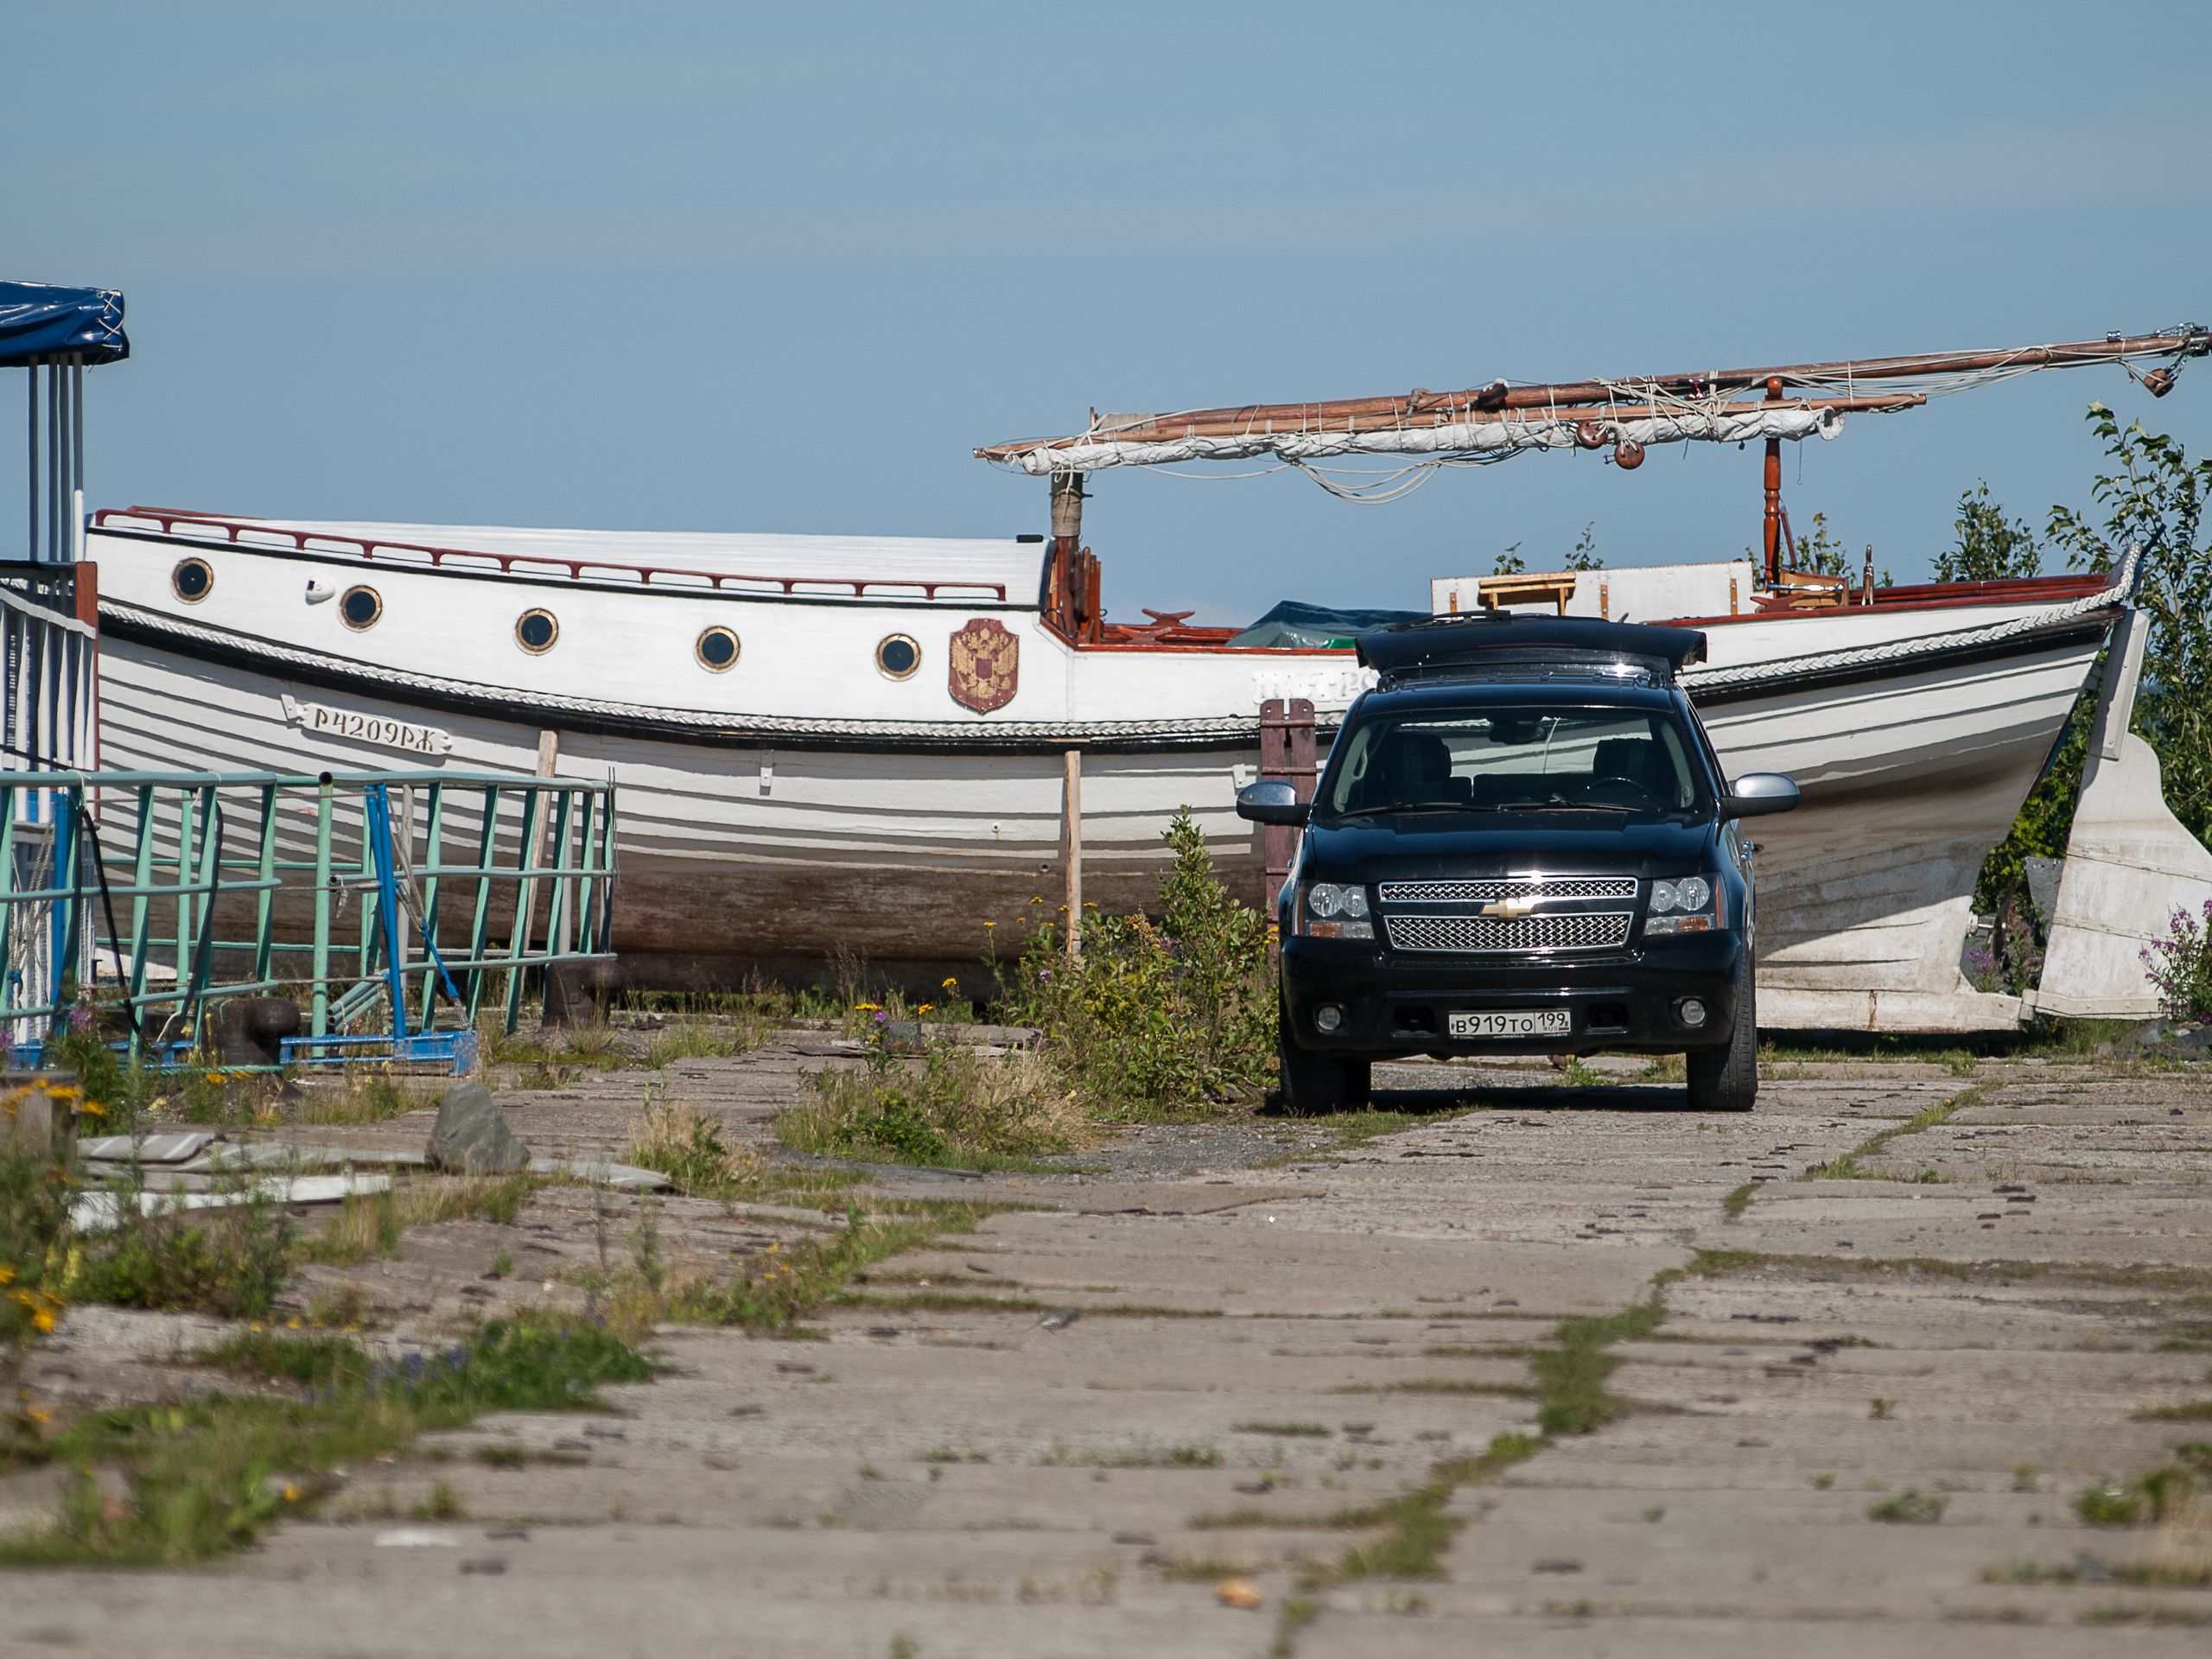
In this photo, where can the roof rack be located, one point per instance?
(1501, 645)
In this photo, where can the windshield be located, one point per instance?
(1509, 758)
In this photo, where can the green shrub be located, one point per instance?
(231, 1262)
(948, 1105)
(34, 1195)
(1152, 1014)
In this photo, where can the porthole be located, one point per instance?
(717, 650)
(535, 631)
(898, 656)
(191, 581)
(361, 609)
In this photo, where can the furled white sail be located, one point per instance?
(1506, 433)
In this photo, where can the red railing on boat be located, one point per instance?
(320, 541)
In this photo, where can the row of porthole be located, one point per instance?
(360, 608)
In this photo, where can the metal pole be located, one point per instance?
(54, 461)
(435, 839)
(479, 929)
(265, 870)
(77, 458)
(1074, 764)
(30, 484)
(320, 1028)
(1774, 495)
(142, 878)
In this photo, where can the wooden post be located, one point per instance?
(1073, 813)
(1775, 550)
(533, 848)
(1286, 753)
(1067, 552)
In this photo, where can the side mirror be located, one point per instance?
(1757, 793)
(1271, 801)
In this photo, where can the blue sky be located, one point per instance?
(781, 269)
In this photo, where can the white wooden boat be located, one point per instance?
(824, 744)
(859, 745)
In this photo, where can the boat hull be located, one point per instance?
(898, 825)
(741, 860)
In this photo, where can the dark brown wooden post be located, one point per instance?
(1286, 753)
(1776, 546)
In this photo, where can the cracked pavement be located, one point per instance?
(1976, 1320)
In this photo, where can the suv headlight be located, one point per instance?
(1689, 904)
(1328, 910)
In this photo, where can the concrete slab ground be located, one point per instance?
(1958, 1332)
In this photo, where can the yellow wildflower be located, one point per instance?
(292, 1324)
(1036, 902)
(291, 1493)
(37, 1416)
(91, 1108)
(7, 1275)
(925, 1008)
(43, 1319)
(254, 1328)
(949, 983)
(865, 1008)
(990, 924)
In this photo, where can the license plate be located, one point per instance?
(1513, 1022)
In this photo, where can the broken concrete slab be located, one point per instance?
(99, 1212)
(624, 1178)
(149, 1148)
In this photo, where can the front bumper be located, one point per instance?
(1627, 999)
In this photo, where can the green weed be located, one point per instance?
(209, 1473)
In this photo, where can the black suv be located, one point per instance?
(1523, 842)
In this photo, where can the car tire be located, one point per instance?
(1312, 1083)
(1727, 1079)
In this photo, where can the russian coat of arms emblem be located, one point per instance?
(986, 665)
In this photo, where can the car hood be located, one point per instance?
(1425, 846)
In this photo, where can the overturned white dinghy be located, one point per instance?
(2130, 864)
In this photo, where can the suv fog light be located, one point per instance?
(1328, 1018)
(1690, 1012)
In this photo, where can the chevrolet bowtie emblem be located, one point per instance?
(1510, 909)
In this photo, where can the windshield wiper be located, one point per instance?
(1558, 803)
(1419, 806)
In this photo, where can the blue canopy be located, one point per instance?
(40, 321)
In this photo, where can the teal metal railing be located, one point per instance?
(403, 898)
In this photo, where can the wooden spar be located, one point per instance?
(1493, 401)
(1218, 423)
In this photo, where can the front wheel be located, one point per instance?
(1313, 1083)
(1727, 1080)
